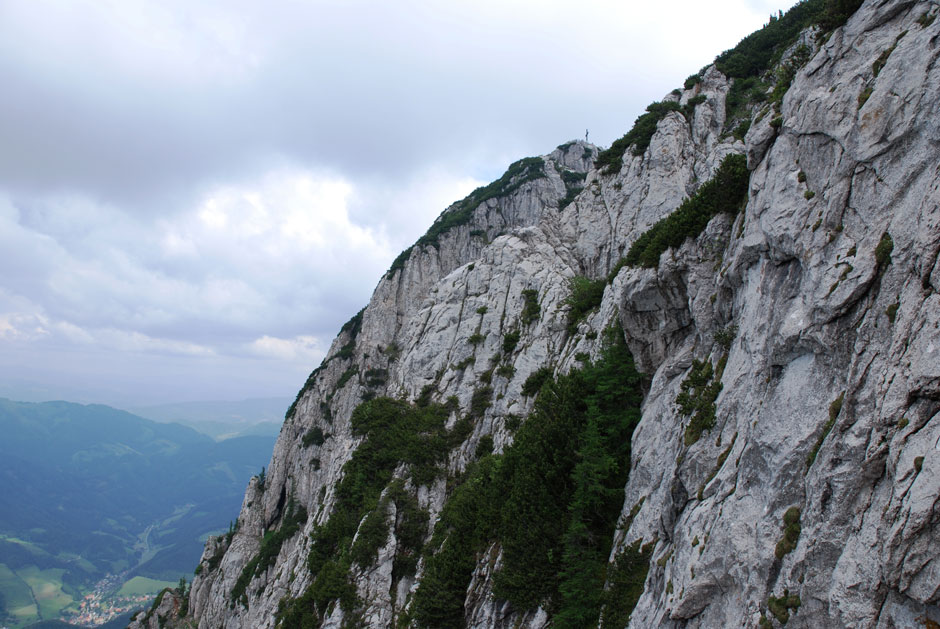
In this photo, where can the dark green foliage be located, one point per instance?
(724, 193)
(882, 60)
(625, 584)
(510, 340)
(530, 306)
(485, 446)
(506, 371)
(864, 95)
(791, 533)
(834, 410)
(697, 396)
(533, 384)
(551, 501)
(584, 296)
(756, 53)
(461, 213)
(481, 400)
(513, 422)
(376, 377)
(354, 325)
(476, 338)
(394, 432)
(692, 103)
(611, 160)
(780, 607)
(294, 519)
(883, 250)
(314, 437)
(574, 184)
(466, 524)
(836, 13)
(346, 376)
(927, 18)
(741, 130)
(892, 311)
(424, 398)
(786, 72)
(371, 536)
(411, 529)
(725, 336)
(744, 92)
(692, 81)
(918, 463)
(564, 476)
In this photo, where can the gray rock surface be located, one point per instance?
(790, 291)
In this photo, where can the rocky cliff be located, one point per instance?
(694, 385)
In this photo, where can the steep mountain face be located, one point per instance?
(783, 463)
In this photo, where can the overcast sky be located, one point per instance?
(194, 196)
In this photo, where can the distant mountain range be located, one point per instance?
(223, 419)
(92, 490)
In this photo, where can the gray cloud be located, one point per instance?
(212, 189)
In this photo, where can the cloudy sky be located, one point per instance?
(194, 196)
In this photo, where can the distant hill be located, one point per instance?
(92, 490)
(223, 419)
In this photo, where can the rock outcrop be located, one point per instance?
(806, 325)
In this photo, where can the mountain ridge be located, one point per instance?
(784, 467)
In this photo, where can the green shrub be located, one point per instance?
(533, 384)
(461, 213)
(741, 130)
(485, 446)
(530, 306)
(625, 583)
(918, 463)
(835, 13)
(780, 607)
(371, 536)
(476, 338)
(638, 137)
(791, 533)
(584, 295)
(724, 193)
(346, 376)
(376, 377)
(351, 328)
(883, 250)
(506, 371)
(510, 341)
(892, 311)
(692, 81)
(725, 336)
(314, 437)
(697, 395)
(834, 408)
(481, 400)
(864, 95)
(551, 502)
(574, 184)
(294, 519)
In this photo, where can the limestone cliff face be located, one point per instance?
(816, 305)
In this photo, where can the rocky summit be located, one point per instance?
(692, 380)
